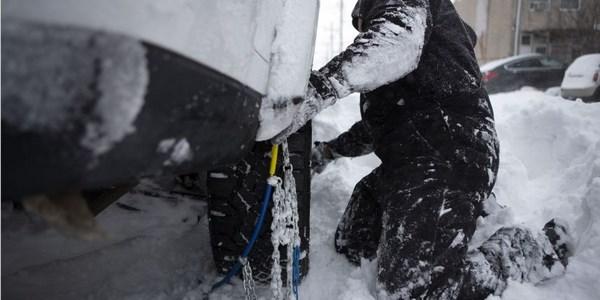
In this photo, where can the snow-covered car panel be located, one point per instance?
(235, 38)
(581, 79)
(65, 125)
(229, 36)
(291, 64)
(77, 114)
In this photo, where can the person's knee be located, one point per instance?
(354, 255)
(356, 245)
(339, 241)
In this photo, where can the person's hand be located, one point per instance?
(320, 156)
(319, 95)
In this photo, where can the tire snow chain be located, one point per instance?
(284, 229)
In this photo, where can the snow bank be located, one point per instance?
(330, 193)
(550, 167)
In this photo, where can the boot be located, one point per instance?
(557, 232)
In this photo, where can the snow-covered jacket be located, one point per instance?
(421, 44)
(421, 93)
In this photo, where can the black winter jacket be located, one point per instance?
(415, 65)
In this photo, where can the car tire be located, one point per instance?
(235, 196)
(596, 96)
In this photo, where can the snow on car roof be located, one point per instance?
(496, 63)
(585, 65)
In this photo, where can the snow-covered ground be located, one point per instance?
(550, 167)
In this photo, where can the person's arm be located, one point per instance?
(395, 33)
(357, 141)
(389, 48)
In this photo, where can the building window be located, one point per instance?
(539, 5)
(526, 40)
(541, 38)
(569, 4)
(540, 50)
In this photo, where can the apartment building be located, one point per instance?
(564, 29)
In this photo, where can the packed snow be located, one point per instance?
(179, 151)
(122, 84)
(550, 167)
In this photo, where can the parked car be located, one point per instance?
(102, 93)
(582, 79)
(515, 72)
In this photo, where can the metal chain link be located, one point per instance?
(284, 227)
(292, 201)
(248, 280)
(276, 228)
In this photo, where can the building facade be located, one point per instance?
(563, 29)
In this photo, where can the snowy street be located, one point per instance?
(550, 167)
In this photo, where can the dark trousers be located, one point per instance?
(418, 224)
(418, 210)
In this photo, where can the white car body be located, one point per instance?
(581, 79)
(104, 92)
(243, 39)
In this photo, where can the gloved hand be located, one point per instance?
(320, 156)
(319, 95)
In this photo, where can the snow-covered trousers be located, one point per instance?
(418, 224)
(418, 210)
(510, 253)
(420, 233)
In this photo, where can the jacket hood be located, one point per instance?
(356, 14)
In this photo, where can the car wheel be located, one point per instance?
(596, 96)
(235, 196)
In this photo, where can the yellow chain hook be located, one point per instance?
(274, 153)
